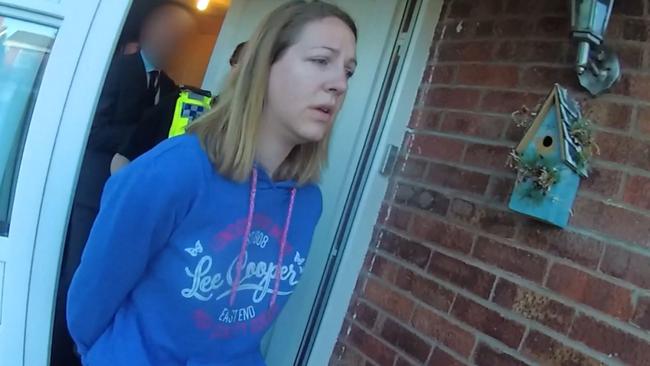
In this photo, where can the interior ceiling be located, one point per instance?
(139, 8)
(215, 7)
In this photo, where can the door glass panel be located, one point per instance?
(24, 51)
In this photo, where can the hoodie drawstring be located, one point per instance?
(247, 232)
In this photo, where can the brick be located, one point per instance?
(548, 351)
(611, 341)
(447, 176)
(405, 249)
(602, 181)
(410, 167)
(607, 114)
(642, 313)
(643, 120)
(443, 331)
(624, 150)
(402, 362)
(637, 192)
(615, 27)
(364, 314)
(422, 199)
(440, 233)
(554, 7)
(487, 356)
(467, 8)
(405, 340)
(452, 98)
(487, 156)
(499, 189)
(388, 300)
(628, 266)
(630, 55)
(515, 133)
(437, 147)
(345, 356)
(553, 26)
(470, 124)
(424, 119)
(533, 305)
(442, 358)
(439, 74)
(472, 51)
(517, 261)
(512, 27)
(493, 221)
(511, 51)
(370, 346)
(483, 29)
(628, 7)
(634, 86)
(565, 244)
(520, 7)
(623, 85)
(461, 274)
(592, 291)
(460, 9)
(426, 290)
(508, 101)
(531, 51)
(543, 77)
(635, 30)
(611, 220)
(460, 29)
(502, 76)
(394, 217)
(488, 322)
(384, 268)
(543, 7)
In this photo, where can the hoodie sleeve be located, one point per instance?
(139, 209)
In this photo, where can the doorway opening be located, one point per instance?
(186, 67)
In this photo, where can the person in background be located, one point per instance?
(200, 242)
(133, 84)
(155, 125)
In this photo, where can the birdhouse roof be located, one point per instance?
(567, 112)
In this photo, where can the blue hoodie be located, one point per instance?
(168, 279)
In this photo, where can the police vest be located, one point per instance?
(191, 104)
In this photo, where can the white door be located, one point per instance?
(53, 56)
(377, 22)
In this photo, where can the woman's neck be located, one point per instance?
(272, 150)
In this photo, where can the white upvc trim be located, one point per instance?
(360, 235)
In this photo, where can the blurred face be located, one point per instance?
(165, 32)
(308, 83)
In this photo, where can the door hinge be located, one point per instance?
(390, 160)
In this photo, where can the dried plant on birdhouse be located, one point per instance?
(536, 170)
(582, 133)
(524, 116)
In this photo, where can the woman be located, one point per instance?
(199, 242)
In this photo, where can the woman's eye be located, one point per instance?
(320, 61)
(349, 73)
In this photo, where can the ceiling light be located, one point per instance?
(202, 4)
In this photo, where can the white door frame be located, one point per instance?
(71, 139)
(399, 113)
(59, 127)
(17, 249)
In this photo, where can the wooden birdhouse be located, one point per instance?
(549, 162)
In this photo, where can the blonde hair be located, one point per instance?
(228, 133)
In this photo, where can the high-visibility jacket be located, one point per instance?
(191, 104)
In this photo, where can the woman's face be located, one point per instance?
(308, 83)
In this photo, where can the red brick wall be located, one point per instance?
(451, 276)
